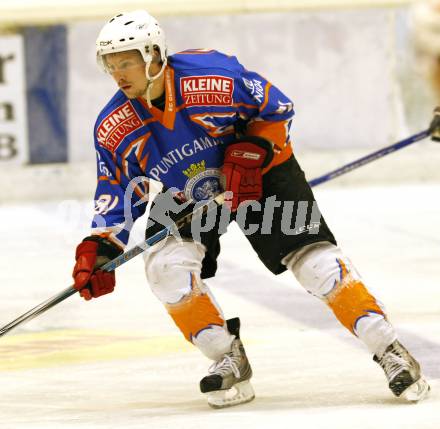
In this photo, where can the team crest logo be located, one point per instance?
(202, 183)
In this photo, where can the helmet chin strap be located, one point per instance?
(151, 79)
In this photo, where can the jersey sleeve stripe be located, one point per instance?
(266, 96)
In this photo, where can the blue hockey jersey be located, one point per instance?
(207, 96)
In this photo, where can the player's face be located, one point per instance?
(128, 70)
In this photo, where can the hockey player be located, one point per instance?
(199, 122)
(426, 18)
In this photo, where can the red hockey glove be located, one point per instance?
(434, 128)
(92, 253)
(241, 171)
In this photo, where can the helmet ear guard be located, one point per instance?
(156, 57)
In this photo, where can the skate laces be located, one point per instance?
(393, 363)
(228, 364)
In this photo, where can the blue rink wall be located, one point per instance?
(47, 102)
(350, 73)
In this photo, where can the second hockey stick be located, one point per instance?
(118, 261)
(369, 158)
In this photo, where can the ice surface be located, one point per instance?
(119, 362)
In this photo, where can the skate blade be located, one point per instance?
(240, 393)
(417, 391)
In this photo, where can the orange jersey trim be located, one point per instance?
(266, 96)
(139, 143)
(248, 106)
(104, 178)
(212, 130)
(199, 51)
(279, 158)
(168, 116)
(276, 133)
(108, 236)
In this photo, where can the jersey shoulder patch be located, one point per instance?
(205, 77)
(116, 121)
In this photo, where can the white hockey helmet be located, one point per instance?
(132, 30)
(426, 21)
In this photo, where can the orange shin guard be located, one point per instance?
(194, 312)
(350, 300)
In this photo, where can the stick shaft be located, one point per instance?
(369, 158)
(159, 236)
(117, 262)
(39, 309)
(211, 205)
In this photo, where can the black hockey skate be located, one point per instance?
(403, 373)
(228, 382)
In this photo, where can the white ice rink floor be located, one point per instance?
(119, 362)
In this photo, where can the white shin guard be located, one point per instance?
(169, 268)
(173, 272)
(324, 271)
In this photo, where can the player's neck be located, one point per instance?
(158, 87)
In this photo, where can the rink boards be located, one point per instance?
(354, 82)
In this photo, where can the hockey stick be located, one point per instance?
(118, 261)
(130, 254)
(369, 158)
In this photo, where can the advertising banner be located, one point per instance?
(13, 120)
